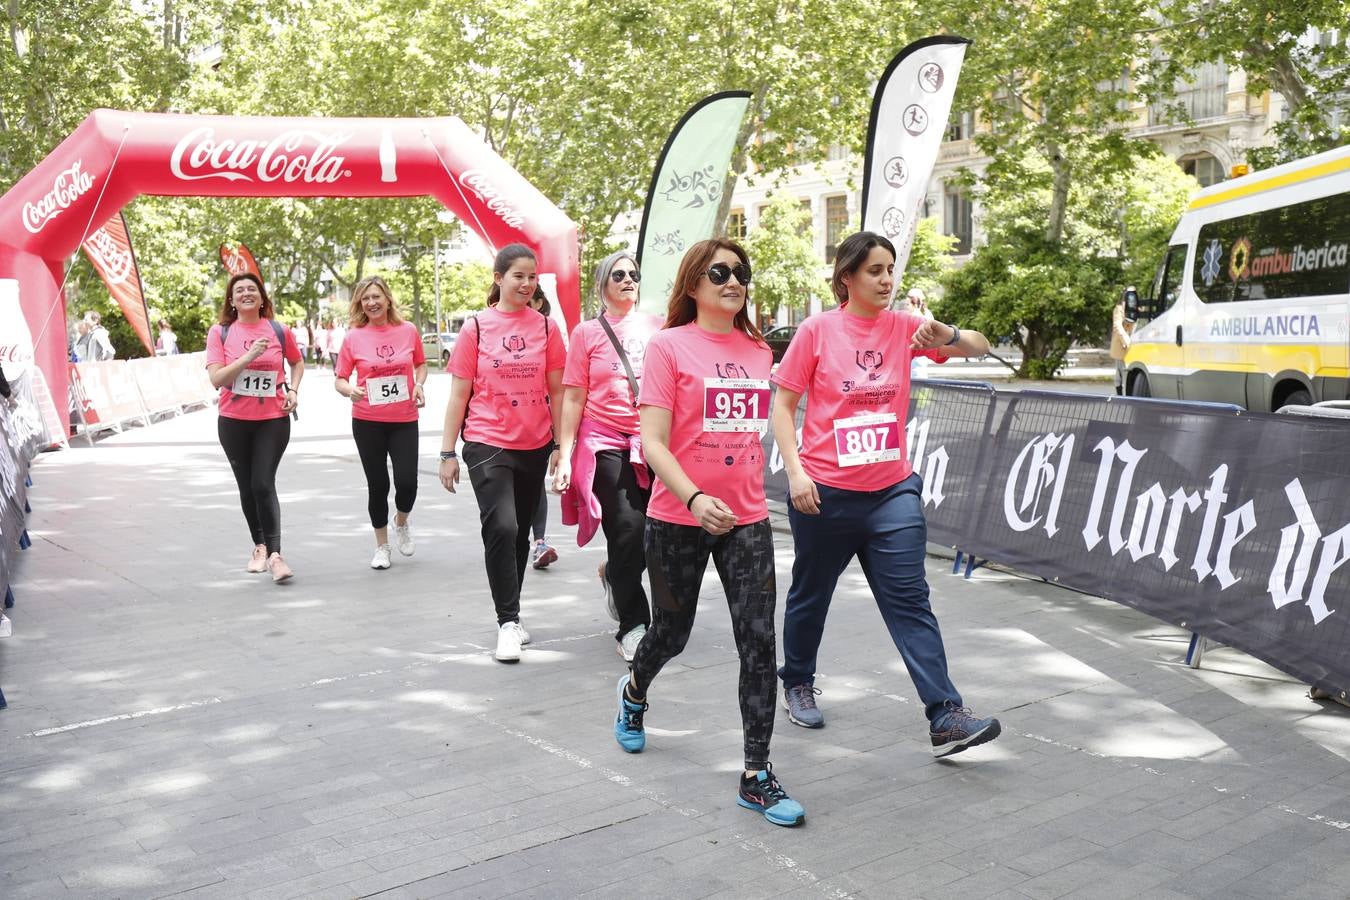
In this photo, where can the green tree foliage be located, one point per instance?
(783, 257)
(929, 258)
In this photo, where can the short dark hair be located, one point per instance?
(849, 258)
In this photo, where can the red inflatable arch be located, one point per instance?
(115, 156)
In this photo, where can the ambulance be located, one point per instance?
(1251, 304)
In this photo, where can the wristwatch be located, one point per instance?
(448, 454)
(956, 335)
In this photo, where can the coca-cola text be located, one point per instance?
(66, 189)
(296, 155)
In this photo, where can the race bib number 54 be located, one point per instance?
(386, 390)
(736, 404)
(862, 440)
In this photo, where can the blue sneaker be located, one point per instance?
(628, 726)
(959, 728)
(763, 793)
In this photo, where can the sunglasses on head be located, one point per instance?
(720, 273)
(620, 274)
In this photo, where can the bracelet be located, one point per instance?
(956, 336)
(448, 454)
(689, 504)
(291, 390)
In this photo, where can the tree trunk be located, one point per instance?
(1059, 198)
(417, 298)
(1282, 73)
(739, 157)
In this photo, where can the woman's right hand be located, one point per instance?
(802, 491)
(257, 349)
(356, 393)
(713, 515)
(449, 474)
(562, 476)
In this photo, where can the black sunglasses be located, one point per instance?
(619, 275)
(720, 273)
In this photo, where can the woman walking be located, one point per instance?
(385, 354)
(246, 354)
(509, 358)
(704, 407)
(601, 470)
(853, 491)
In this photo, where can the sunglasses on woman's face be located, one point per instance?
(620, 274)
(720, 273)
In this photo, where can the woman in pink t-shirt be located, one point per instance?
(245, 359)
(385, 355)
(505, 395)
(600, 423)
(704, 408)
(853, 491)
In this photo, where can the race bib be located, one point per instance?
(256, 383)
(385, 390)
(736, 404)
(863, 440)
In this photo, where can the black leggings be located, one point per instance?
(398, 442)
(623, 516)
(506, 484)
(677, 556)
(540, 525)
(254, 449)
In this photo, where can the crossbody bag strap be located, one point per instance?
(623, 357)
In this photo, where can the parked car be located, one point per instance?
(778, 340)
(438, 346)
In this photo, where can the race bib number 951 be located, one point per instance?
(862, 440)
(736, 404)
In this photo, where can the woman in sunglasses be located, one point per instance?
(853, 491)
(510, 359)
(705, 406)
(601, 471)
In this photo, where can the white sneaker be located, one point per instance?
(628, 645)
(508, 642)
(524, 635)
(381, 558)
(6, 628)
(403, 536)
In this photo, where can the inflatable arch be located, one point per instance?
(113, 157)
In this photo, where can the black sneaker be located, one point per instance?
(762, 793)
(959, 728)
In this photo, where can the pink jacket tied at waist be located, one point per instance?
(580, 507)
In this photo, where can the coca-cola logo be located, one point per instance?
(66, 189)
(487, 192)
(296, 155)
(113, 260)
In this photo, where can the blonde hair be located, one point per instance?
(356, 313)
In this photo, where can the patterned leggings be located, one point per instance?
(677, 557)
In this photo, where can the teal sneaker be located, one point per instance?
(762, 793)
(628, 725)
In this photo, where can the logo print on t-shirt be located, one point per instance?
(385, 352)
(732, 370)
(515, 345)
(869, 361)
(848, 386)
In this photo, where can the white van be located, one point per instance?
(1251, 304)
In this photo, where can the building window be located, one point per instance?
(1203, 96)
(836, 224)
(736, 225)
(838, 152)
(1206, 169)
(961, 127)
(956, 221)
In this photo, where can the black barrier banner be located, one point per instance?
(1235, 525)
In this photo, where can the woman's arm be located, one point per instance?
(783, 419)
(454, 421)
(420, 379)
(934, 335)
(574, 401)
(712, 514)
(224, 375)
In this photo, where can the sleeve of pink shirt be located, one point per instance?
(577, 373)
(215, 348)
(346, 361)
(659, 375)
(292, 349)
(419, 352)
(555, 354)
(464, 361)
(799, 362)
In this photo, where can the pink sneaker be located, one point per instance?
(257, 563)
(277, 566)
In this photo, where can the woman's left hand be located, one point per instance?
(553, 462)
(419, 396)
(291, 402)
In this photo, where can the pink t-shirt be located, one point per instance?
(855, 374)
(384, 358)
(716, 387)
(593, 364)
(336, 335)
(259, 390)
(508, 356)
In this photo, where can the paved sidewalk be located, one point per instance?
(180, 728)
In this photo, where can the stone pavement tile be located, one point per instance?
(1209, 818)
(311, 885)
(1094, 877)
(471, 880)
(1214, 878)
(987, 881)
(906, 860)
(1049, 857)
